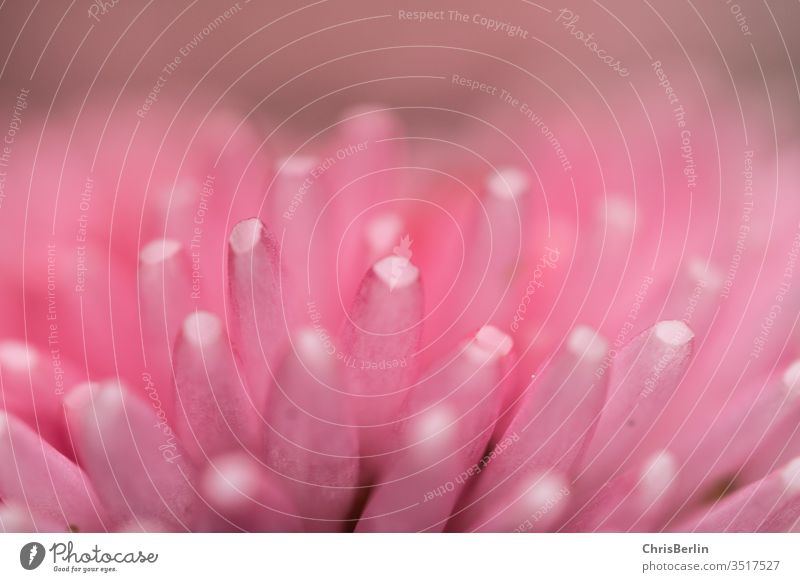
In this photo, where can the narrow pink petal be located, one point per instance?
(378, 345)
(17, 519)
(635, 501)
(258, 319)
(133, 457)
(38, 477)
(643, 377)
(695, 295)
(535, 504)
(164, 295)
(164, 287)
(310, 438)
(214, 410)
(771, 504)
(422, 486)
(554, 422)
(246, 496)
(558, 414)
(298, 214)
(740, 428)
(32, 387)
(453, 414)
(779, 442)
(495, 250)
(293, 207)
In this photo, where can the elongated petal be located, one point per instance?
(32, 387)
(310, 438)
(635, 501)
(164, 295)
(246, 496)
(215, 413)
(378, 345)
(715, 459)
(555, 420)
(534, 504)
(644, 375)
(258, 328)
(17, 519)
(771, 504)
(139, 468)
(452, 416)
(495, 251)
(53, 488)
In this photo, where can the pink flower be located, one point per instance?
(389, 346)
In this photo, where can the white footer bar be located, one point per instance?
(406, 557)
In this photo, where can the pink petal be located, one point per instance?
(38, 477)
(133, 457)
(164, 293)
(771, 504)
(310, 438)
(635, 501)
(453, 413)
(246, 497)
(377, 348)
(534, 504)
(644, 375)
(553, 424)
(215, 413)
(258, 322)
(737, 430)
(32, 387)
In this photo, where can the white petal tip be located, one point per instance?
(585, 342)
(78, 396)
(230, 480)
(702, 271)
(313, 346)
(494, 341)
(545, 490)
(432, 424)
(202, 328)
(791, 377)
(17, 356)
(673, 333)
(158, 251)
(489, 344)
(396, 272)
(296, 165)
(620, 213)
(790, 474)
(659, 472)
(110, 396)
(383, 231)
(245, 235)
(507, 183)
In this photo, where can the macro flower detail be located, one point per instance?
(243, 373)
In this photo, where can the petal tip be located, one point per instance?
(158, 251)
(492, 340)
(584, 341)
(245, 235)
(507, 183)
(673, 333)
(202, 328)
(791, 377)
(17, 356)
(396, 272)
(790, 475)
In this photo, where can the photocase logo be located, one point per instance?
(31, 555)
(400, 261)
